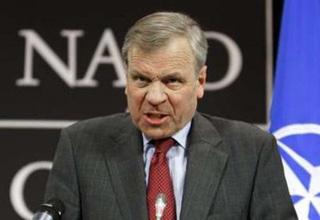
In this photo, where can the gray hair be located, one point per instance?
(155, 30)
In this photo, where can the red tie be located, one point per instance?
(160, 181)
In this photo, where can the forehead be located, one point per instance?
(175, 54)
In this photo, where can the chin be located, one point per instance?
(156, 134)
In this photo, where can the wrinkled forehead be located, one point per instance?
(176, 50)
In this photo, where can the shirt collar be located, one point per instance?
(180, 137)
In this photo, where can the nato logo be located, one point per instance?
(299, 145)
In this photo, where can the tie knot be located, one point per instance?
(163, 145)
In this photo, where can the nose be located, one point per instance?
(156, 94)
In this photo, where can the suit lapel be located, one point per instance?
(205, 168)
(124, 160)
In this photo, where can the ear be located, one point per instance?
(126, 87)
(201, 81)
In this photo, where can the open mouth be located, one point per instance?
(155, 118)
(155, 115)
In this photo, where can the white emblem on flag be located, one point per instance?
(309, 195)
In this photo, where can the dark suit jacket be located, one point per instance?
(233, 172)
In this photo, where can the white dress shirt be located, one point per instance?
(177, 162)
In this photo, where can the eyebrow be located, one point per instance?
(171, 76)
(135, 73)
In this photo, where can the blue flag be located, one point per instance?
(295, 112)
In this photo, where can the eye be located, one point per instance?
(173, 80)
(140, 80)
(173, 83)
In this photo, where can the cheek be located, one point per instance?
(183, 102)
(188, 102)
(134, 97)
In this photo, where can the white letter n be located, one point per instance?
(34, 42)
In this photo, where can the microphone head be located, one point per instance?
(161, 197)
(161, 202)
(54, 207)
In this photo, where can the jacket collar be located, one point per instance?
(206, 163)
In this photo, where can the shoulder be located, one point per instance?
(238, 135)
(228, 127)
(106, 125)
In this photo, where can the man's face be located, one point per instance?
(163, 88)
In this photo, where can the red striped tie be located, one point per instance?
(160, 181)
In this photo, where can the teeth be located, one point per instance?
(155, 115)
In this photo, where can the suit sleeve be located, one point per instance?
(62, 182)
(270, 199)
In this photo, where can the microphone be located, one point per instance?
(160, 204)
(51, 210)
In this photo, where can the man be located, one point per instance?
(212, 168)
